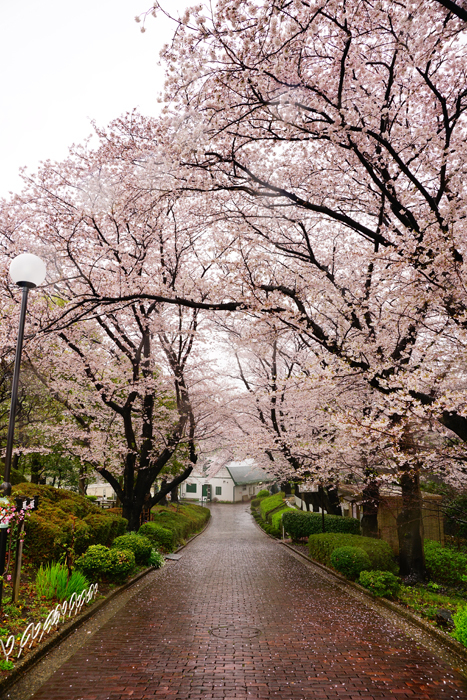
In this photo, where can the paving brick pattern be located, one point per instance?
(237, 618)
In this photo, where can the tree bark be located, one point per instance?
(370, 506)
(410, 528)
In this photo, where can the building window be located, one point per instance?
(191, 488)
(218, 490)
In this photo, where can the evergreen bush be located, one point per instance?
(380, 553)
(139, 545)
(100, 562)
(299, 524)
(445, 565)
(64, 516)
(161, 537)
(380, 583)
(262, 494)
(350, 561)
(120, 565)
(460, 626)
(94, 562)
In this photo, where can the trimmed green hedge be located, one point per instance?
(160, 537)
(277, 517)
(381, 555)
(444, 564)
(299, 523)
(271, 503)
(61, 516)
(183, 520)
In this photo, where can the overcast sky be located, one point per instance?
(66, 63)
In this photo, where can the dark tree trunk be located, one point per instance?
(82, 483)
(163, 501)
(332, 503)
(410, 528)
(370, 505)
(36, 470)
(132, 512)
(286, 488)
(174, 495)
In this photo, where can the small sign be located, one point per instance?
(22, 502)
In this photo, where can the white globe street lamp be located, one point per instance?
(27, 271)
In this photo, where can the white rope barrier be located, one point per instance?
(34, 632)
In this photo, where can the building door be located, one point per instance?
(207, 492)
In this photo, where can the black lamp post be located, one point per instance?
(27, 271)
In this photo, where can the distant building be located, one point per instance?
(225, 481)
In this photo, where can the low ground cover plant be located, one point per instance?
(380, 583)
(380, 553)
(299, 524)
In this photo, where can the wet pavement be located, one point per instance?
(240, 617)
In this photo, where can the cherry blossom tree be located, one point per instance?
(124, 372)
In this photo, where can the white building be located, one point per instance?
(228, 482)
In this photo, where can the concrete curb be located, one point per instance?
(440, 636)
(35, 655)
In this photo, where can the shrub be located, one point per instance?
(444, 564)
(121, 563)
(94, 562)
(380, 583)
(160, 536)
(52, 582)
(177, 522)
(63, 515)
(262, 494)
(300, 524)
(271, 503)
(183, 519)
(156, 559)
(277, 518)
(101, 562)
(460, 626)
(379, 551)
(255, 502)
(139, 545)
(350, 561)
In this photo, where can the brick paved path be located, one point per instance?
(239, 617)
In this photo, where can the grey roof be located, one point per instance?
(246, 472)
